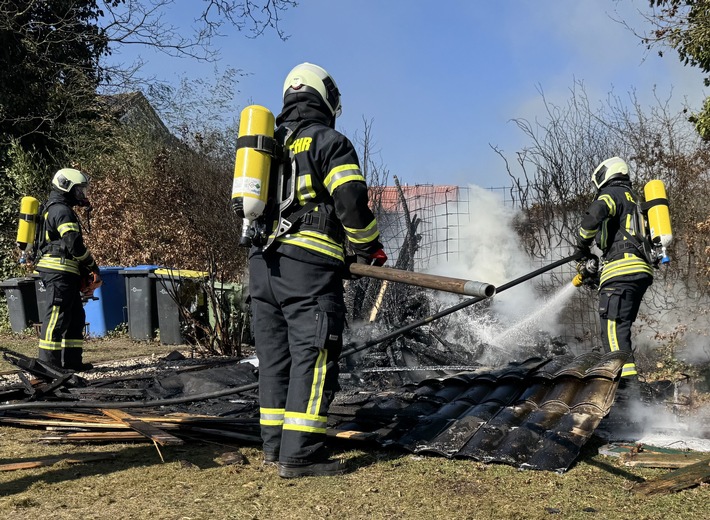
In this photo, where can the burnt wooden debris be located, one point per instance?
(532, 414)
(644, 456)
(677, 480)
(51, 461)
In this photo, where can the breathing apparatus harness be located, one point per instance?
(640, 242)
(282, 214)
(41, 245)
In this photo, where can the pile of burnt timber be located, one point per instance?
(104, 406)
(213, 401)
(120, 426)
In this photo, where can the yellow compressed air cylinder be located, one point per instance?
(658, 215)
(29, 208)
(251, 169)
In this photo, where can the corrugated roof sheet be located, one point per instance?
(536, 414)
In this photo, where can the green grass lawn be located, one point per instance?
(190, 483)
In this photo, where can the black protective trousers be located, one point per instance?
(298, 317)
(619, 303)
(63, 320)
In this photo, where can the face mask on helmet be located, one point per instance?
(81, 194)
(307, 77)
(614, 168)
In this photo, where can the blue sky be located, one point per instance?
(442, 81)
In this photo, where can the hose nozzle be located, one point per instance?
(587, 272)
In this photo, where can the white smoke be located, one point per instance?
(490, 251)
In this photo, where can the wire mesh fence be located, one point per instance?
(430, 225)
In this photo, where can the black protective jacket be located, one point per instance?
(327, 172)
(63, 249)
(612, 221)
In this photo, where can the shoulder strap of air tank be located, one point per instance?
(284, 224)
(640, 241)
(41, 231)
(310, 205)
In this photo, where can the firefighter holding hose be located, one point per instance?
(318, 200)
(614, 221)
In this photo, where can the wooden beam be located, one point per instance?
(150, 431)
(41, 463)
(677, 480)
(662, 460)
(123, 436)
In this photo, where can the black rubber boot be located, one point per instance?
(72, 360)
(327, 468)
(52, 357)
(270, 459)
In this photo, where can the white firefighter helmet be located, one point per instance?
(613, 168)
(67, 179)
(308, 75)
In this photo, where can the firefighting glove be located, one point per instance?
(588, 270)
(378, 258)
(582, 253)
(90, 283)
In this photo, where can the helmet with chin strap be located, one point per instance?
(614, 168)
(308, 77)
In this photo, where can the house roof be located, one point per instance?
(417, 197)
(536, 414)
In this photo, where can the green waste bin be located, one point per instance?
(176, 288)
(21, 302)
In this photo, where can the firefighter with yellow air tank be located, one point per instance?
(617, 221)
(302, 195)
(65, 267)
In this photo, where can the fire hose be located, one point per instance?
(252, 386)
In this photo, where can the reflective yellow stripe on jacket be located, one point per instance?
(56, 263)
(342, 174)
(363, 236)
(630, 264)
(315, 241)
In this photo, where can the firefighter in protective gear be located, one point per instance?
(64, 266)
(612, 220)
(296, 282)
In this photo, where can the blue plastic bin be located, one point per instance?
(106, 313)
(142, 306)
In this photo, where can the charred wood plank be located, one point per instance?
(352, 435)
(213, 432)
(110, 392)
(42, 463)
(123, 436)
(662, 460)
(677, 480)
